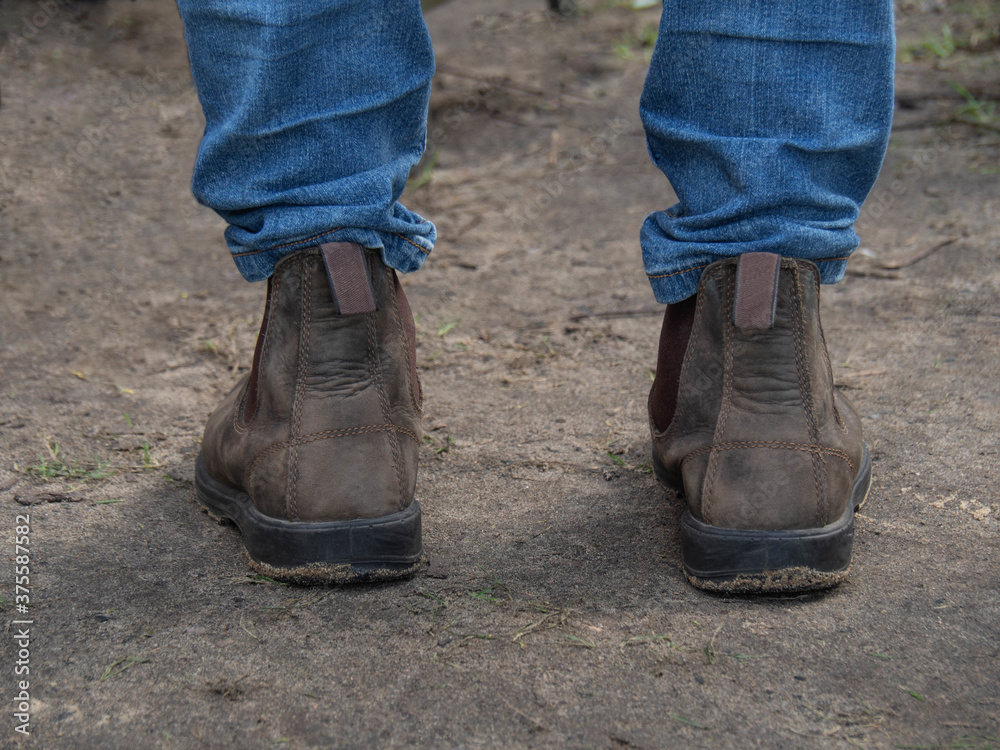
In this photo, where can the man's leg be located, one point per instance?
(315, 112)
(771, 120)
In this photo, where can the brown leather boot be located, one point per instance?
(767, 453)
(314, 455)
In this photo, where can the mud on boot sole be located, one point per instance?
(355, 551)
(749, 561)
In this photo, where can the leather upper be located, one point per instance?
(330, 429)
(760, 438)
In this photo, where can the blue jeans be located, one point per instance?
(769, 117)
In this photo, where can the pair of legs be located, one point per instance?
(771, 122)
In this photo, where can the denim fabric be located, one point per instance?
(315, 112)
(770, 118)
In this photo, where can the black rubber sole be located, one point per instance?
(749, 561)
(367, 549)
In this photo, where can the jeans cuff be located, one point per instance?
(398, 251)
(679, 285)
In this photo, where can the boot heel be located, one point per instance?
(747, 561)
(359, 550)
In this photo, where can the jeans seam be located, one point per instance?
(706, 265)
(316, 237)
(407, 239)
(287, 244)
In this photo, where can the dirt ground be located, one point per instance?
(553, 612)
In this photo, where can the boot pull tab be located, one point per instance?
(347, 273)
(757, 277)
